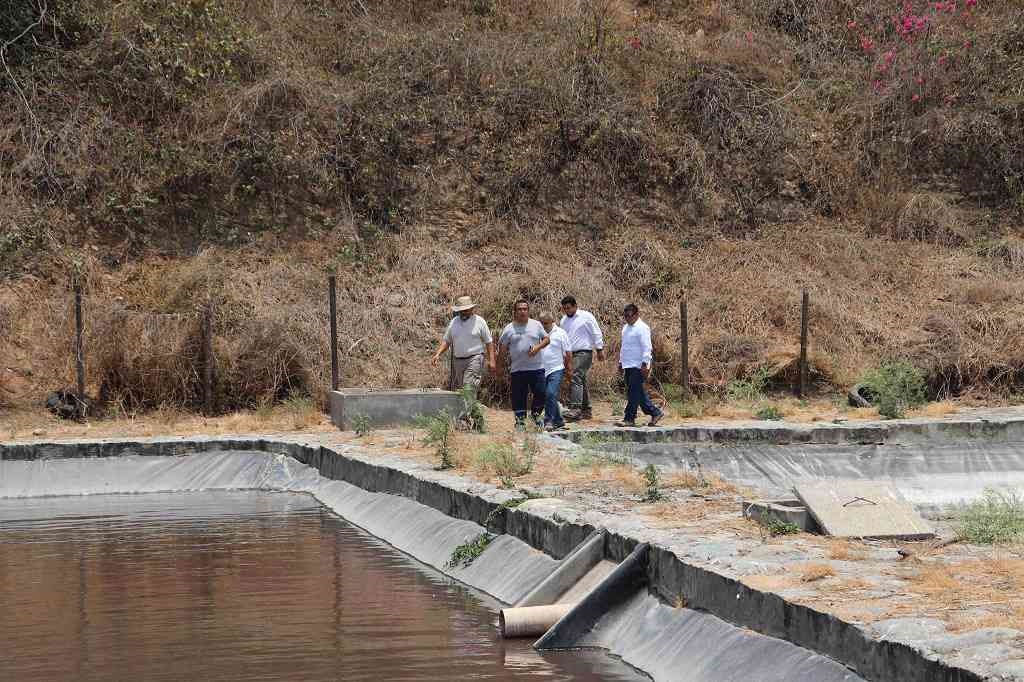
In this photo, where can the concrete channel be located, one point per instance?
(726, 631)
(933, 464)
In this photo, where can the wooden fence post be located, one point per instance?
(332, 294)
(684, 342)
(207, 334)
(801, 390)
(79, 352)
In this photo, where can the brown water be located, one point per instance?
(239, 586)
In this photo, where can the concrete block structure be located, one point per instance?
(384, 408)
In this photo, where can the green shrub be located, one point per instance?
(749, 389)
(653, 492)
(995, 518)
(507, 461)
(473, 412)
(361, 425)
(769, 413)
(439, 430)
(776, 526)
(895, 387)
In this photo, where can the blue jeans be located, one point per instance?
(553, 384)
(636, 395)
(523, 384)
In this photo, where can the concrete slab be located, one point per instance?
(785, 511)
(862, 509)
(389, 408)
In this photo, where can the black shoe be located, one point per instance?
(626, 424)
(655, 419)
(585, 415)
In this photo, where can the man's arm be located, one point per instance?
(440, 351)
(567, 359)
(492, 362)
(597, 336)
(648, 350)
(539, 346)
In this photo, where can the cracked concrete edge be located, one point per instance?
(668, 576)
(994, 429)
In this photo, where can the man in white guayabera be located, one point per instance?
(523, 339)
(469, 338)
(586, 339)
(635, 360)
(557, 363)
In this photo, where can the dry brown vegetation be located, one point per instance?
(811, 572)
(178, 153)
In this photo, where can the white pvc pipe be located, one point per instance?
(530, 621)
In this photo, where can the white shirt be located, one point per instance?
(636, 345)
(554, 352)
(583, 330)
(469, 337)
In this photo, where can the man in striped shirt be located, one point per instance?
(585, 339)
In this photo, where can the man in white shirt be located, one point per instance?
(469, 338)
(585, 336)
(557, 358)
(635, 358)
(522, 340)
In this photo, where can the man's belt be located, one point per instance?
(469, 356)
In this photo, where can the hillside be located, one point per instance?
(169, 153)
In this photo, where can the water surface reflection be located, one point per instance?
(239, 586)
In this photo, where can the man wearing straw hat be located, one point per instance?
(469, 338)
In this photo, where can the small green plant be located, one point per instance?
(895, 387)
(769, 413)
(361, 425)
(653, 492)
(776, 526)
(468, 552)
(997, 517)
(439, 433)
(472, 411)
(508, 461)
(750, 389)
(688, 409)
(618, 406)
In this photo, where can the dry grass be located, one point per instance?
(416, 145)
(812, 572)
(844, 550)
(989, 584)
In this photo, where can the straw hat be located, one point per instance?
(463, 303)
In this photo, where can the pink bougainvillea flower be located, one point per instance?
(916, 98)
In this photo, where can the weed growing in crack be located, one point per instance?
(361, 425)
(439, 432)
(468, 552)
(653, 492)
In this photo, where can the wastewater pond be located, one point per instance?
(240, 586)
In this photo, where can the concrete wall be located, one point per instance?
(389, 408)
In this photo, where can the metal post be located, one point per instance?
(207, 333)
(79, 350)
(451, 368)
(801, 390)
(332, 292)
(684, 342)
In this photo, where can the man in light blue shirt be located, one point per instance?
(522, 340)
(635, 357)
